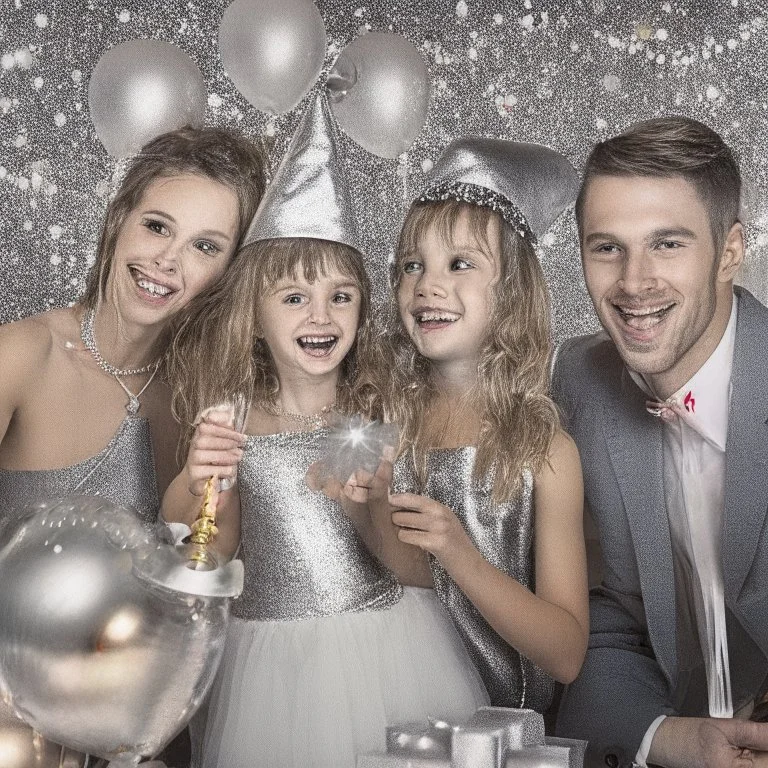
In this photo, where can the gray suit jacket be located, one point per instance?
(630, 675)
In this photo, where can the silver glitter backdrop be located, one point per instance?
(563, 74)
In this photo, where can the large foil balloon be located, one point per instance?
(104, 646)
(273, 50)
(140, 89)
(379, 89)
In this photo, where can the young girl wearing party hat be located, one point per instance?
(494, 485)
(325, 647)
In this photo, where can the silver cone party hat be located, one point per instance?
(309, 195)
(528, 184)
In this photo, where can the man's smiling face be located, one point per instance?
(652, 271)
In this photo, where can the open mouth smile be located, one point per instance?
(318, 346)
(644, 318)
(150, 288)
(430, 319)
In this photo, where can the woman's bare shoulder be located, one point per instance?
(28, 343)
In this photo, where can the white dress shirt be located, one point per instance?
(695, 431)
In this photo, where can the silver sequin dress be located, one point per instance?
(325, 647)
(503, 533)
(123, 472)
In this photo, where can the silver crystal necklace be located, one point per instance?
(89, 340)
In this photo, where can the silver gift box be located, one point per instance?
(494, 737)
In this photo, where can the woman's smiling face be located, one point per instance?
(176, 242)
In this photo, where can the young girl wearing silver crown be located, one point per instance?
(495, 487)
(325, 647)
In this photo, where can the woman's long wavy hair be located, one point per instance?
(218, 353)
(218, 154)
(517, 417)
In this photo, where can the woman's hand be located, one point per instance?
(215, 451)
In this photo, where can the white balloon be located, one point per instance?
(379, 88)
(273, 50)
(140, 89)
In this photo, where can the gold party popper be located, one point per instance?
(204, 531)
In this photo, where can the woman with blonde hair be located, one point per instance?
(83, 405)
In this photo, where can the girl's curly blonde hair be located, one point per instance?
(517, 417)
(217, 353)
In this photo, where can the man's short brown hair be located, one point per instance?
(668, 147)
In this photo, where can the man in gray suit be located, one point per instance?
(668, 407)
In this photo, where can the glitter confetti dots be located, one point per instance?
(559, 73)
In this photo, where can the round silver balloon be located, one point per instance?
(95, 652)
(140, 89)
(273, 50)
(379, 88)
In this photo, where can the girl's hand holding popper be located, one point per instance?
(215, 450)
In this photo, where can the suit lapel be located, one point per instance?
(634, 440)
(746, 474)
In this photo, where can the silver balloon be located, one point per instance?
(379, 88)
(96, 652)
(273, 50)
(22, 747)
(140, 89)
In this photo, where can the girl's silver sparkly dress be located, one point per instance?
(325, 647)
(503, 533)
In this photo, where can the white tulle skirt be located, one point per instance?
(316, 692)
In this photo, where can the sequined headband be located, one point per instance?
(528, 185)
(486, 198)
